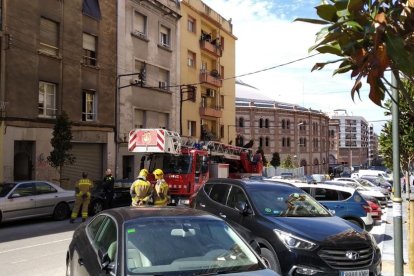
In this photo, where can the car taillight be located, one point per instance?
(367, 208)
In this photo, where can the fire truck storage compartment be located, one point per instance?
(219, 170)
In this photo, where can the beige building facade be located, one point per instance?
(57, 56)
(207, 61)
(148, 77)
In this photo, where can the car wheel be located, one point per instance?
(68, 267)
(270, 259)
(96, 207)
(353, 221)
(61, 211)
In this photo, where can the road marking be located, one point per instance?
(35, 245)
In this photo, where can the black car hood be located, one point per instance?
(322, 230)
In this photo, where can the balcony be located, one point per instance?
(211, 111)
(211, 47)
(213, 78)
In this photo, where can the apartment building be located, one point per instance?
(207, 61)
(353, 139)
(148, 78)
(280, 127)
(57, 56)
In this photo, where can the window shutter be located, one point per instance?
(139, 23)
(89, 42)
(48, 32)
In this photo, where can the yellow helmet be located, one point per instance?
(143, 172)
(158, 172)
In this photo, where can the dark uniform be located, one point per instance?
(108, 188)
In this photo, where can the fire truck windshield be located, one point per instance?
(171, 164)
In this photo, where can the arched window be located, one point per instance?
(304, 142)
(267, 123)
(260, 123)
(283, 142)
(261, 142)
(267, 141)
(288, 142)
(283, 124)
(241, 140)
(241, 122)
(287, 124)
(300, 142)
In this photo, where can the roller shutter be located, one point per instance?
(88, 159)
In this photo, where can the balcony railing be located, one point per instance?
(212, 47)
(211, 111)
(211, 77)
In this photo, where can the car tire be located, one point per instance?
(68, 273)
(61, 211)
(96, 207)
(270, 260)
(353, 221)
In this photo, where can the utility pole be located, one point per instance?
(397, 200)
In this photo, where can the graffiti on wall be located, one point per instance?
(41, 161)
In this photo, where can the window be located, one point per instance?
(103, 232)
(241, 122)
(222, 71)
(283, 124)
(283, 142)
(88, 106)
(47, 99)
(44, 188)
(267, 141)
(49, 37)
(91, 8)
(326, 194)
(222, 101)
(288, 142)
(287, 124)
(191, 24)
(219, 193)
(164, 76)
(191, 59)
(261, 142)
(260, 123)
(236, 197)
(192, 128)
(25, 189)
(221, 131)
(139, 116)
(266, 123)
(140, 24)
(164, 36)
(89, 49)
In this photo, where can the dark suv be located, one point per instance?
(296, 234)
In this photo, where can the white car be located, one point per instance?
(27, 199)
(363, 190)
(366, 184)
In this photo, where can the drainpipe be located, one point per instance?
(3, 42)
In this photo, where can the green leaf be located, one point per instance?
(342, 69)
(403, 59)
(354, 25)
(327, 12)
(313, 21)
(329, 38)
(329, 49)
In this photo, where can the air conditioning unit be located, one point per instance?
(211, 92)
(162, 84)
(135, 81)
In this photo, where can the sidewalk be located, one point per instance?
(386, 239)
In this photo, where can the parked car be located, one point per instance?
(362, 190)
(366, 184)
(296, 234)
(160, 241)
(376, 211)
(35, 198)
(345, 202)
(121, 197)
(379, 181)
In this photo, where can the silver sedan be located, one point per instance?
(27, 199)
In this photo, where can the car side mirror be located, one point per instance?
(15, 195)
(243, 208)
(106, 263)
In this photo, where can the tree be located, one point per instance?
(62, 135)
(370, 37)
(288, 163)
(275, 162)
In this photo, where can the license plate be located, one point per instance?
(355, 273)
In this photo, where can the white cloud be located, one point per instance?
(266, 40)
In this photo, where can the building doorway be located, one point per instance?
(23, 160)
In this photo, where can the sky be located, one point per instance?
(268, 37)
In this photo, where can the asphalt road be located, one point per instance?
(34, 247)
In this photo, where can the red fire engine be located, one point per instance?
(188, 164)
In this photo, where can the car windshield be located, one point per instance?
(287, 203)
(166, 246)
(171, 164)
(366, 183)
(5, 188)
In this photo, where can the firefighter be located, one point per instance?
(161, 190)
(141, 190)
(83, 190)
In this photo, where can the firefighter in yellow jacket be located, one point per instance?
(141, 190)
(83, 190)
(161, 189)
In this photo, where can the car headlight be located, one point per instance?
(293, 242)
(373, 240)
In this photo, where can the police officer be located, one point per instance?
(161, 189)
(108, 187)
(141, 190)
(83, 190)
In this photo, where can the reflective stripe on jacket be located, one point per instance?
(84, 186)
(161, 193)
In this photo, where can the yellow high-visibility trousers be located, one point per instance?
(85, 204)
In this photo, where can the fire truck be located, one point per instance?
(187, 164)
